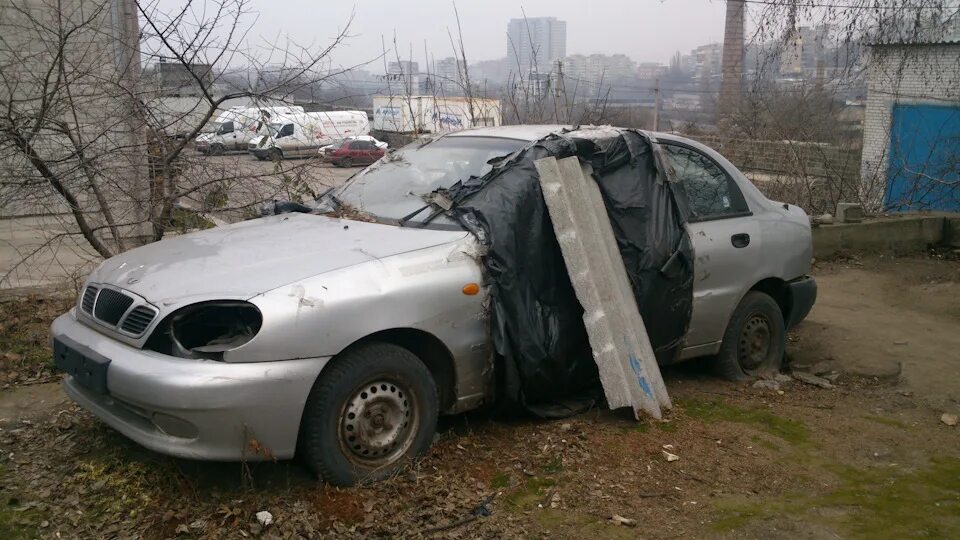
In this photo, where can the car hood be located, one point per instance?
(251, 257)
(204, 137)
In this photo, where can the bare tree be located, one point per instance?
(86, 134)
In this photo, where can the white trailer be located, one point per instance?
(433, 114)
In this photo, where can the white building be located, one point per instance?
(534, 44)
(911, 129)
(593, 69)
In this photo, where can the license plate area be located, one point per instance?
(87, 368)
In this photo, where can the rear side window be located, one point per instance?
(711, 193)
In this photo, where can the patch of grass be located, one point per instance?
(500, 480)
(554, 466)
(871, 503)
(792, 431)
(760, 441)
(668, 427)
(18, 523)
(896, 504)
(887, 421)
(529, 494)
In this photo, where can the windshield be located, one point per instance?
(211, 127)
(272, 129)
(394, 187)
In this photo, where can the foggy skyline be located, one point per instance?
(645, 30)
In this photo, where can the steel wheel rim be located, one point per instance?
(754, 342)
(378, 423)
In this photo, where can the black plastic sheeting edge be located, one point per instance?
(536, 325)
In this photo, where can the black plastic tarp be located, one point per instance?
(536, 320)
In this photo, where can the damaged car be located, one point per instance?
(430, 283)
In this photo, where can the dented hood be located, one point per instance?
(251, 257)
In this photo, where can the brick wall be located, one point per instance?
(901, 74)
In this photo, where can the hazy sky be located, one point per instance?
(645, 30)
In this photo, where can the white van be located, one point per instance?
(234, 128)
(302, 134)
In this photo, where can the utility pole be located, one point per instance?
(656, 105)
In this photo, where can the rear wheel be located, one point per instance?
(371, 409)
(755, 339)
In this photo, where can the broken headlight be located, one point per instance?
(207, 330)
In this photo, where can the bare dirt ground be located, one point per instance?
(867, 458)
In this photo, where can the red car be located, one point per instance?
(355, 152)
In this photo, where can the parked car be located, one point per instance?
(325, 151)
(355, 152)
(342, 341)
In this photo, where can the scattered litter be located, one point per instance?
(812, 379)
(264, 518)
(670, 457)
(949, 419)
(901, 342)
(668, 447)
(566, 426)
(626, 522)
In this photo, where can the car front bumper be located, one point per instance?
(199, 409)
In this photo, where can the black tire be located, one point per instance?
(260, 157)
(216, 149)
(276, 154)
(351, 430)
(346, 162)
(755, 339)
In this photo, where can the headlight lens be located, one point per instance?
(208, 330)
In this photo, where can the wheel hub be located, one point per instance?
(377, 423)
(754, 342)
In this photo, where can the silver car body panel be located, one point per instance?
(322, 284)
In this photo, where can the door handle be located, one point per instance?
(741, 240)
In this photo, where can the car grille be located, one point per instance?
(109, 306)
(138, 320)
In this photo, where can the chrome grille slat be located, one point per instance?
(138, 320)
(111, 305)
(89, 295)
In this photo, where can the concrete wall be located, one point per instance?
(897, 235)
(905, 74)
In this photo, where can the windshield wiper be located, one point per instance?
(437, 198)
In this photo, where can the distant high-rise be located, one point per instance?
(534, 44)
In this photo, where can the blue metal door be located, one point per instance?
(924, 172)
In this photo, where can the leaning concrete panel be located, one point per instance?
(621, 348)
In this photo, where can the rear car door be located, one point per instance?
(726, 242)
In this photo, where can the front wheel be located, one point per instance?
(346, 162)
(755, 339)
(371, 409)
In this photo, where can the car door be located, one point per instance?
(365, 151)
(726, 243)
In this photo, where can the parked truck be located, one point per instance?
(234, 128)
(433, 114)
(303, 134)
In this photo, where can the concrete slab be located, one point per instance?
(625, 359)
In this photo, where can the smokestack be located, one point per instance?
(732, 85)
